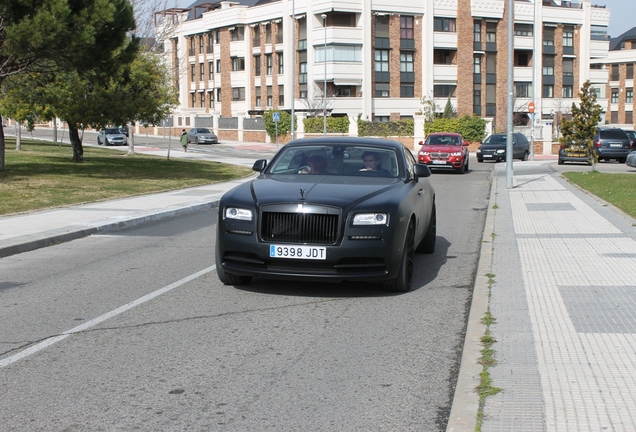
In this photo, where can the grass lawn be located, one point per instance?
(42, 175)
(617, 189)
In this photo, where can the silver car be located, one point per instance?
(631, 159)
(111, 136)
(202, 136)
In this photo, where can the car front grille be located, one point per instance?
(439, 155)
(300, 228)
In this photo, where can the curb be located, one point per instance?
(465, 403)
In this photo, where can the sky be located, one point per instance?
(622, 15)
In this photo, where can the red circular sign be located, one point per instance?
(531, 107)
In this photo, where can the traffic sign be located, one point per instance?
(276, 117)
(531, 107)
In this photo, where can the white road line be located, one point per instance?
(88, 324)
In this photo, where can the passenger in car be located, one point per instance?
(371, 161)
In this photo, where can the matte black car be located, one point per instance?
(111, 136)
(345, 223)
(612, 143)
(202, 136)
(494, 147)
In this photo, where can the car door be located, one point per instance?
(417, 196)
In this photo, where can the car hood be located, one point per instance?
(493, 146)
(337, 191)
(441, 148)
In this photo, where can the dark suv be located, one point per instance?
(494, 147)
(612, 143)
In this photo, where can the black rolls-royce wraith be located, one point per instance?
(329, 209)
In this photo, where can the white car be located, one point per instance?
(631, 159)
(111, 136)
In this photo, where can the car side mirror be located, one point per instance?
(259, 165)
(421, 143)
(466, 143)
(421, 170)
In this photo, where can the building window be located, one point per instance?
(598, 33)
(238, 93)
(257, 65)
(268, 61)
(237, 34)
(491, 32)
(270, 98)
(381, 60)
(441, 24)
(218, 94)
(548, 91)
(568, 67)
(238, 63)
(523, 29)
(629, 117)
(200, 43)
(201, 71)
(218, 66)
(268, 33)
(407, 91)
(302, 75)
(211, 70)
(406, 27)
(568, 91)
(491, 64)
(443, 57)
(444, 90)
(615, 73)
(279, 32)
(193, 100)
(629, 71)
(339, 53)
(217, 36)
(381, 90)
(548, 65)
(192, 73)
(614, 117)
(281, 95)
(523, 90)
(629, 95)
(211, 99)
(256, 38)
(477, 64)
(343, 91)
(257, 91)
(614, 95)
(548, 36)
(477, 100)
(407, 74)
(522, 58)
(568, 36)
(201, 100)
(491, 99)
(281, 63)
(477, 31)
(382, 26)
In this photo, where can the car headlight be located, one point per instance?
(501, 151)
(456, 153)
(238, 214)
(424, 153)
(371, 219)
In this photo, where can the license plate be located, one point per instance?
(616, 144)
(487, 156)
(439, 162)
(576, 154)
(298, 252)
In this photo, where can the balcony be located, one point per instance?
(444, 40)
(445, 73)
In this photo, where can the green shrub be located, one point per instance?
(284, 125)
(334, 124)
(472, 128)
(398, 128)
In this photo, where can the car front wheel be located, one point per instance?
(402, 283)
(231, 279)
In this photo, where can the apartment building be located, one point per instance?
(618, 71)
(378, 59)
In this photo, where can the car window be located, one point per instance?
(496, 139)
(613, 134)
(443, 140)
(203, 130)
(341, 160)
(111, 131)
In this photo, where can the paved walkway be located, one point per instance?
(563, 269)
(563, 293)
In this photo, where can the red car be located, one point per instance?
(444, 150)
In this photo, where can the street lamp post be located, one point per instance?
(324, 89)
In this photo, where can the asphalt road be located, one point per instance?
(149, 339)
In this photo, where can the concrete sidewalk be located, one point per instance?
(558, 274)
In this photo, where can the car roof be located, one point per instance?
(444, 133)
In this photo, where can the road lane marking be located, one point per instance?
(108, 315)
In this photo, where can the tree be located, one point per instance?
(449, 110)
(578, 133)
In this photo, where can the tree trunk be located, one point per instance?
(1, 145)
(18, 138)
(76, 142)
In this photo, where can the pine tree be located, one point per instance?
(449, 110)
(579, 132)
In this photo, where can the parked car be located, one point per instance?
(346, 223)
(631, 159)
(574, 153)
(611, 143)
(202, 136)
(632, 138)
(445, 150)
(111, 136)
(494, 147)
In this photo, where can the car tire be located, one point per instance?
(427, 245)
(480, 160)
(467, 162)
(402, 283)
(560, 161)
(524, 157)
(622, 160)
(231, 279)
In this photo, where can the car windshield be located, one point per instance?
(112, 131)
(496, 139)
(336, 160)
(443, 140)
(203, 130)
